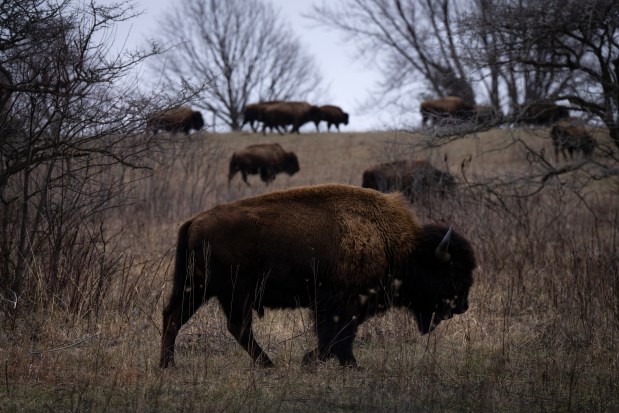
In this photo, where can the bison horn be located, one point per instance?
(441, 251)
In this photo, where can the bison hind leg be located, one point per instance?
(182, 305)
(239, 315)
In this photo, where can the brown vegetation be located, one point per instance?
(540, 333)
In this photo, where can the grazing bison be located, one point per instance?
(333, 115)
(176, 120)
(252, 113)
(415, 179)
(540, 113)
(266, 159)
(346, 252)
(571, 135)
(446, 109)
(289, 113)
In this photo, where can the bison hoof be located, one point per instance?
(311, 357)
(165, 363)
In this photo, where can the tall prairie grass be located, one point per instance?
(541, 333)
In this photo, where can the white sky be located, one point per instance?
(348, 81)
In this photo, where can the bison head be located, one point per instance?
(291, 163)
(441, 277)
(197, 122)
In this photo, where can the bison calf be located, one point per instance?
(346, 252)
(571, 135)
(266, 159)
(181, 119)
(415, 179)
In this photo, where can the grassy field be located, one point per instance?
(541, 334)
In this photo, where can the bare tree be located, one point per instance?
(241, 49)
(70, 113)
(416, 37)
(576, 42)
(436, 41)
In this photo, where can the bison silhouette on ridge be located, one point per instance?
(346, 252)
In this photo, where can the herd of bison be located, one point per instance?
(346, 252)
(569, 135)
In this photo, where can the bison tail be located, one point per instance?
(181, 266)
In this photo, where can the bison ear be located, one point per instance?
(441, 252)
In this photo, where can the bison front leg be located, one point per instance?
(336, 334)
(239, 314)
(244, 176)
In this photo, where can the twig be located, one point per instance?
(51, 350)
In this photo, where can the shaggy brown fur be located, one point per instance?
(333, 115)
(289, 113)
(571, 135)
(176, 120)
(266, 159)
(540, 113)
(446, 109)
(253, 112)
(346, 252)
(415, 179)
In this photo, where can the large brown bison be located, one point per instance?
(181, 119)
(571, 135)
(448, 109)
(333, 115)
(346, 252)
(266, 159)
(540, 113)
(295, 114)
(252, 113)
(415, 179)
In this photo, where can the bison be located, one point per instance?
(540, 113)
(266, 159)
(176, 120)
(571, 135)
(486, 115)
(333, 115)
(348, 253)
(415, 179)
(252, 113)
(446, 109)
(289, 113)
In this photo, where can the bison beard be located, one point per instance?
(347, 253)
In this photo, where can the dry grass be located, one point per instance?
(541, 333)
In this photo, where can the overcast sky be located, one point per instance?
(348, 81)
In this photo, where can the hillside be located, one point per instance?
(541, 332)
